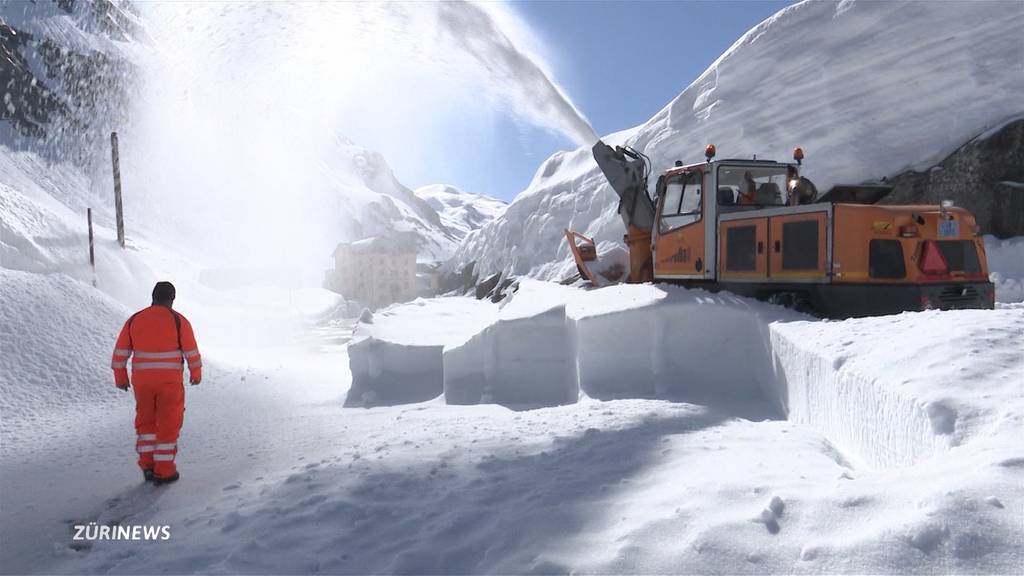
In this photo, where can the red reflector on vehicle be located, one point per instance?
(932, 261)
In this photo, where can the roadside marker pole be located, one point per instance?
(117, 189)
(92, 252)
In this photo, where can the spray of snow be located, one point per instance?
(1006, 267)
(531, 89)
(237, 142)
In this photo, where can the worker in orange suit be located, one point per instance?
(159, 342)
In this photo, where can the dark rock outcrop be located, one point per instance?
(986, 176)
(62, 98)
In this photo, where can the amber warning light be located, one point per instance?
(709, 152)
(798, 155)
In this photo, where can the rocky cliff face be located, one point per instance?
(65, 78)
(986, 176)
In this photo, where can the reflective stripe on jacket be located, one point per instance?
(159, 342)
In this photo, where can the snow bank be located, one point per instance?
(898, 389)
(550, 342)
(396, 354)
(55, 347)
(855, 122)
(891, 390)
(1006, 267)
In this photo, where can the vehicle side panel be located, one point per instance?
(857, 225)
(743, 250)
(799, 245)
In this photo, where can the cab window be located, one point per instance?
(752, 185)
(682, 201)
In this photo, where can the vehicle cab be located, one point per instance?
(691, 202)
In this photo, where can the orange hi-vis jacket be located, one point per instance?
(159, 342)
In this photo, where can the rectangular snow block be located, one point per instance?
(711, 348)
(523, 361)
(531, 361)
(464, 371)
(616, 352)
(385, 374)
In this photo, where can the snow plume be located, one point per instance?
(532, 90)
(238, 144)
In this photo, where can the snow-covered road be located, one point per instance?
(255, 411)
(279, 477)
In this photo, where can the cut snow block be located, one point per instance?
(616, 353)
(689, 346)
(464, 371)
(385, 373)
(531, 361)
(711, 347)
(519, 362)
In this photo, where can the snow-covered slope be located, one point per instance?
(462, 212)
(868, 89)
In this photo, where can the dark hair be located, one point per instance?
(163, 293)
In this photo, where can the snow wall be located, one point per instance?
(881, 388)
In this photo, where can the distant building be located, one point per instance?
(428, 277)
(374, 271)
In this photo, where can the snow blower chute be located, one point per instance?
(626, 170)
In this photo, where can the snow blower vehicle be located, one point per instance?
(757, 228)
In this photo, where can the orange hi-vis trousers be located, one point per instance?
(159, 412)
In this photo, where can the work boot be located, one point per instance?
(148, 474)
(159, 480)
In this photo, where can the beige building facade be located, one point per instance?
(375, 271)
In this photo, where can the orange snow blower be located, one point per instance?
(757, 228)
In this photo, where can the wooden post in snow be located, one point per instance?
(117, 189)
(92, 252)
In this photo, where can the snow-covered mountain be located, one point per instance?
(462, 212)
(371, 201)
(868, 89)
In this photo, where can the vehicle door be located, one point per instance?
(679, 235)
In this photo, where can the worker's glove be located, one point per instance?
(195, 381)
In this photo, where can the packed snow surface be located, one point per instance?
(932, 397)
(278, 477)
(868, 89)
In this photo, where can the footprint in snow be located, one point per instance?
(770, 515)
(769, 521)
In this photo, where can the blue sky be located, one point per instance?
(620, 62)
